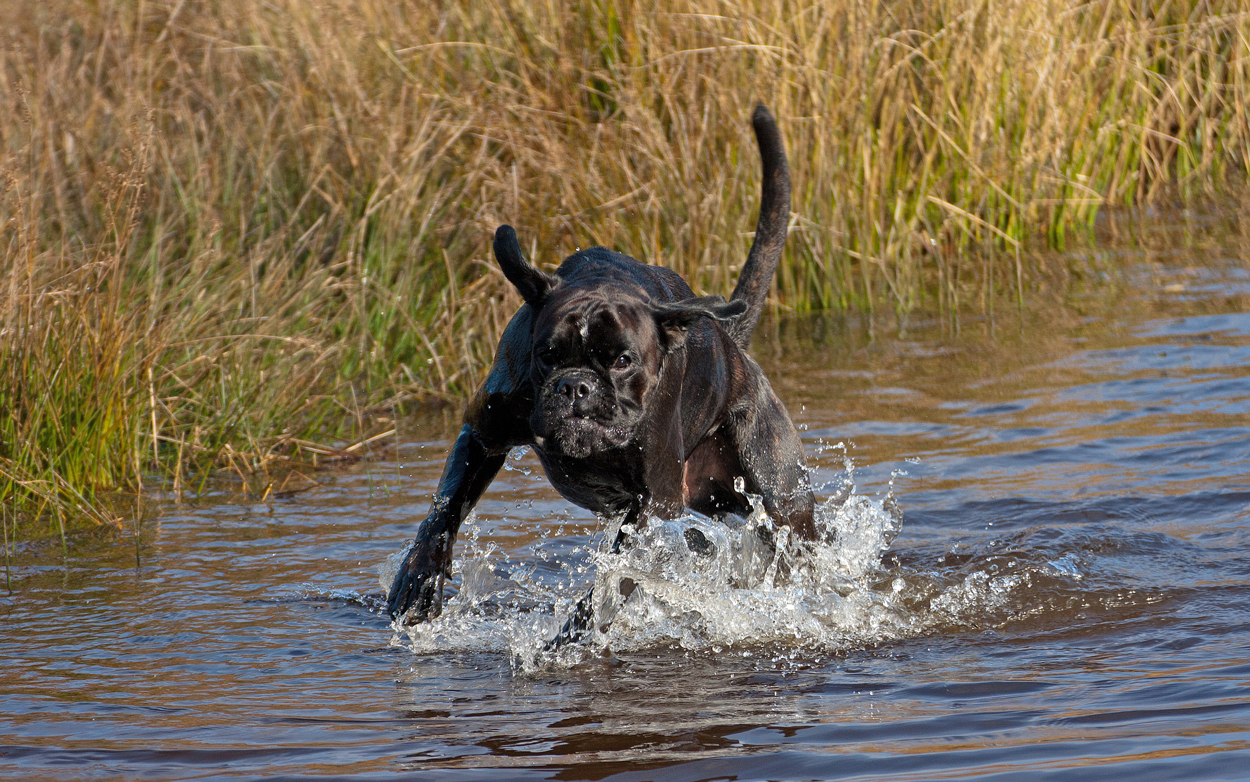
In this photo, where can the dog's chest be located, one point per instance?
(607, 483)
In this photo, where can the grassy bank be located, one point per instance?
(234, 231)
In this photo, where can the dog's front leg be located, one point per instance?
(664, 499)
(418, 584)
(580, 623)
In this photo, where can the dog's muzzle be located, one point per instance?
(576, 414)
(580, 394)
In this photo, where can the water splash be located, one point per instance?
(738, 585)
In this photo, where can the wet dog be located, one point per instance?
(637, 396)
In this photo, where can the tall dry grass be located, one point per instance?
(231, 227)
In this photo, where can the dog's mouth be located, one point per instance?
(578, 415)
(581, 437)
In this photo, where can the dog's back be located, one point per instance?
(601, 264)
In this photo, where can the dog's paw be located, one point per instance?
(697, 542)
(417, 591)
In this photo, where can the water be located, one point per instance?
(1067, 596)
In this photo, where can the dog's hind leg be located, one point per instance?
(772, 460)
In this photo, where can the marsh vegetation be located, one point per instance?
(234, 236)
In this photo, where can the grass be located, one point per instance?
(235, 233)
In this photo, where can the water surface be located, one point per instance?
(1066, 597)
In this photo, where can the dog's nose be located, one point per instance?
(573, 388)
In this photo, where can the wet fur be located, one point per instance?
(637, 396)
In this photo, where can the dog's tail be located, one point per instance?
(770, 231)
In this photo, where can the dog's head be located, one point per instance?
(599, 350)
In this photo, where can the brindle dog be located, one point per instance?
(637, 396)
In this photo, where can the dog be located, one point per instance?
(637, 396)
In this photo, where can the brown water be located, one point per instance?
(1067, 598)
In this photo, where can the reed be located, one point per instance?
(231, 230)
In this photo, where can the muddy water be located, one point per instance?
(1067, 596)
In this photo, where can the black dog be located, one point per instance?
(637, 397)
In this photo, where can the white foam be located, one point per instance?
(709, 586)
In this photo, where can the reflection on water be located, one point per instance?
(1066, 597)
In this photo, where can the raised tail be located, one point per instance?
(770, 231)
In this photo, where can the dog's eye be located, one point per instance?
(622, 361)
(546, 357)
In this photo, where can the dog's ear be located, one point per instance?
(675, 319)
(533, 284)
